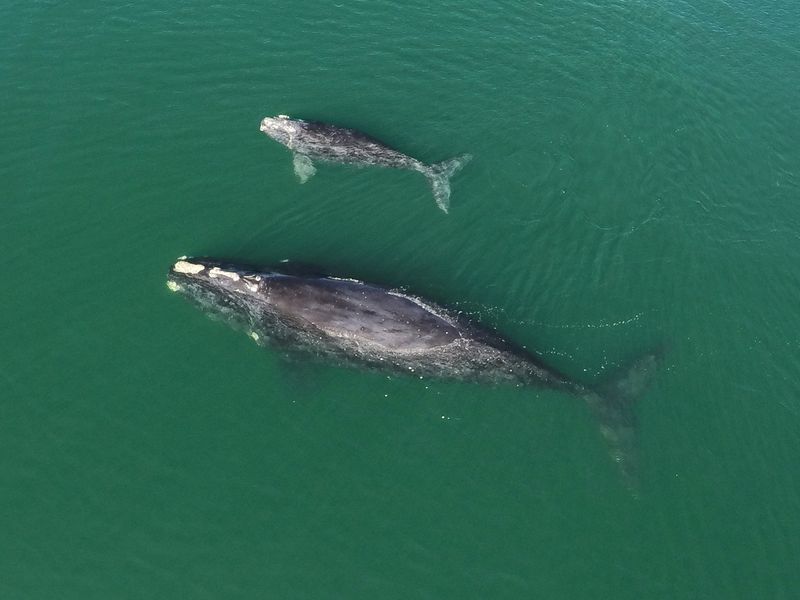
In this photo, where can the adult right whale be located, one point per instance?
(310, 140)
(353, 323)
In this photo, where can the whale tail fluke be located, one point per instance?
(613, 404)
(439, 175)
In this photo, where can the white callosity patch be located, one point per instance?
(279, 123)
(217, 272)
(173, 286)
(254, 335)
(183, 266)
(251, 282)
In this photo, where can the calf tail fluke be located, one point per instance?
(613, 405)
(439, 175)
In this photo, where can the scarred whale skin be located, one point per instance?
(312, 140)
(356, 322)
(350, 322)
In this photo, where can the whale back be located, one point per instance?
(362, 313)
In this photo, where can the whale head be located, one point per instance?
(280, 128)
(215, 275)
(234, 293)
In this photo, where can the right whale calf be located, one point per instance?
(310, 140)
(353, 323)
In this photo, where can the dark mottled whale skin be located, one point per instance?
(354, 323)
(311, 140)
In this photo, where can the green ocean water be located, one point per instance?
(635, 184)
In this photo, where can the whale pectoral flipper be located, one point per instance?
(303, 167)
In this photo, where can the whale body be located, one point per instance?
(352, 323)
(311, 140)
